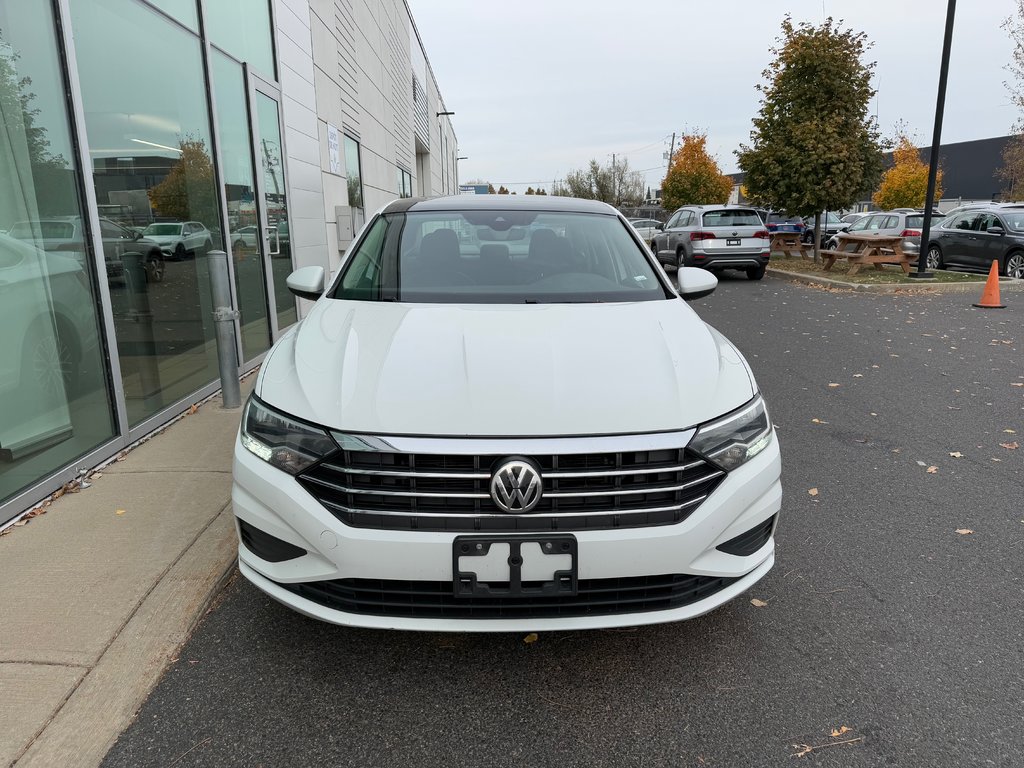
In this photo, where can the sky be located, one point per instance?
(540, 87)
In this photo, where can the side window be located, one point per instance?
(986, 220)
(108, 231)
(860, 224)
(673, 220)
(963, 221)
(362, 280)
(686, 219)
(891, 222)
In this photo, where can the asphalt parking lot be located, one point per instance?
(894, 615)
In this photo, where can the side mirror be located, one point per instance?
(996, 231)
(307, 282)
(695, 283)
(660, 227)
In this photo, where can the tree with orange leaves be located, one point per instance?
(905, 184)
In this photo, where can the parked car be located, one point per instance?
(67, 235)
(974, 239)
(777, 221)
(714, 237)
(831, 225)
(891, 223)
(49, 328)
(451, 439)
(647, 228)
(180, 239)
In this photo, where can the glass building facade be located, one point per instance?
(121, 168)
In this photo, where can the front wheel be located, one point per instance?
(934, 260)
(1015, 265)
(179, 252)
(755, 273)
(155, 269)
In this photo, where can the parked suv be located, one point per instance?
(714, 237)
(973, 239)
(180, 239)
(450, 439)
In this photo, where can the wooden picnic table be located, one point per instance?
(859, 250)
(786, 243)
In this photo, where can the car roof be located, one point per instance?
(554, 203)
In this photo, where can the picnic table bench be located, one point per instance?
(786, 243)
(859, 250)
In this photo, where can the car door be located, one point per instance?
(953, 237)
(680, 234)
(660, 240)
(985, 247)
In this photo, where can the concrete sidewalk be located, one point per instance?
(97, 595)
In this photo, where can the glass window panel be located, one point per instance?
(54, 390)
(275, 193)
(355, 182)
(240, 191)
(182, 10)
(242, 28)
(149, 136)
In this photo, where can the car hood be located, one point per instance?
(504, 371)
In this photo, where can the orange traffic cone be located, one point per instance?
(990, 296)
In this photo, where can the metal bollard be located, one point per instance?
(224, 319)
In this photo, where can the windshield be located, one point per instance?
(163, 229)
(499, 257)
(1014, 220)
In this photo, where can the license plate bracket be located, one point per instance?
(505, 566)
(733, 241)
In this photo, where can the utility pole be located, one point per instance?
(671, 151)
(615, 198)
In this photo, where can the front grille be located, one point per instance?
(451, 492)
(436, 599)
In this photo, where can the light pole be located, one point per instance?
(440, 145)
(933, 162)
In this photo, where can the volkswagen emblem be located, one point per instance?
(516, 486)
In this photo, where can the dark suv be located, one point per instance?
(974, 239)
(714, 237)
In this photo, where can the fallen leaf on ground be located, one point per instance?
(818, 421)
(840, 731)
(1017, 383)
(956, 454)
(119, 512)
(858, 375)
(1010, 431)
(833, 384)
(964, 531)
(932, 470)
(813, 492)
(1010, 446)
(921, 464)
(193, 408)
(530, 638)
(758, 603)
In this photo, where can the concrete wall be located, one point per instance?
(362, 63)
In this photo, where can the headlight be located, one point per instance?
(735, 438)
(282, 441)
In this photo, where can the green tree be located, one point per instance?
(694, 177)
(188, 191)
(814, 146)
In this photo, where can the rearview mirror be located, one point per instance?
(695, 283)
(307, 282)
(996, 231)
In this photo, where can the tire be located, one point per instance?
(1014, 265)
(934, 258)
(51, 354)
(179, 252)
(680, 258)
(755, 273)
(155, 268)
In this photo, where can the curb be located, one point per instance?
(1005, 284)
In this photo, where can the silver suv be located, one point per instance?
(905, 224)
(714, 237)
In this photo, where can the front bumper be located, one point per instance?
(275, 503)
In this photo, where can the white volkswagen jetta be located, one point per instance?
(502, 416)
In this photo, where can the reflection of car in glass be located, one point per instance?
(180, 239)
(245, 237)
(66, 234)
(46, 312)
(395, 469)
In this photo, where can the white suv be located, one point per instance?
(180, 239)
(502, 416)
